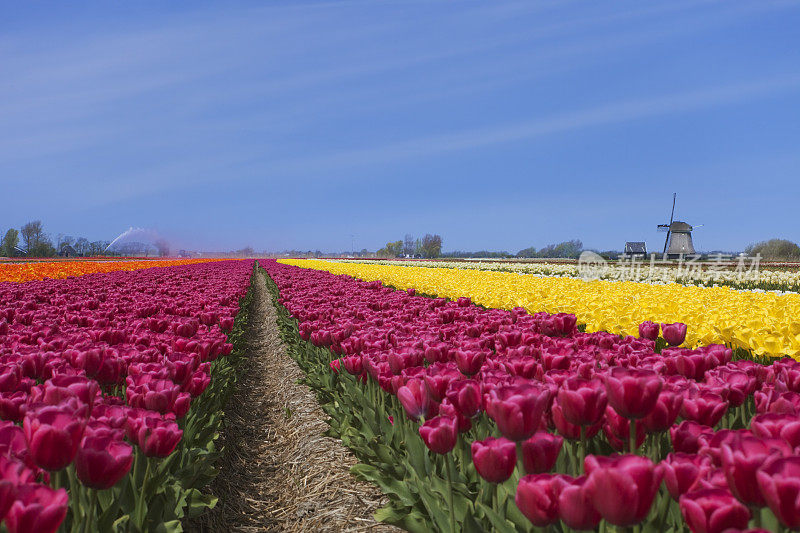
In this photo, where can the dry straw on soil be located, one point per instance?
(279, 473)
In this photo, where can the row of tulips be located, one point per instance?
(39, 270)
(730, 273)
(761, 322)
(108, 409)
(474, 419)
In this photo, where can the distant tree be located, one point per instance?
(44, 248)
(132, 249)
(32, 235)
(64, 240)
(610, 255)
(775, 249)
(477, 255)
(395, 248)
(409, 245)
(566, 249)
(392, 249)
(37, 243)
(82, 246)
(163, 247)
(10, 242)
(98, 247)
(431, 246)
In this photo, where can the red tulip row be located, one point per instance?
(98, 371)
(642, 424)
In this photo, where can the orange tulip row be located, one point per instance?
(20, 272)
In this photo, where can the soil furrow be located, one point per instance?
(279, 472)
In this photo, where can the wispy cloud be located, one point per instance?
(612, 113)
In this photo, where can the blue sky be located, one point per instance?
(499, 125)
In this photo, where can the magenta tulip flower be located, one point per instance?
(685, 436)
(674, 334)
(12, 405)
(713, 511)
(540, 452)
(742, 458)
(779, 482)
(622, 487)
(353, 364)
(582, 401)
(440, 434)
(632, 393)
(438, 378)
(102, 461)
(664, 413)
(53, 433)
(778, 426)
(706, 408)
(518, 409)
(465, 395)
(494, 459)
(648, 330)
(537, 497)
(575, 507)
(617, 430)
(469, 362)
(155, 437)
(740, 385)
(571, 431)
(682, 470)
(448, 409)
(414, 398)
(38, 508)
(12, 474)
(161, 395)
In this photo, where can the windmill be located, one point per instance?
(679, 235)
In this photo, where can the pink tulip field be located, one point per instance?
(475, 419)
(111, 390)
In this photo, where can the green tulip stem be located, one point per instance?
(449, 462)
(632, 442)
(756, 512)
(658, 438)
(582, 450)
(666, 501)
(74, 489)
(90, 511)
(140, 504)
(520, 462)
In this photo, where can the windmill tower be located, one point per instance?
(679, 235)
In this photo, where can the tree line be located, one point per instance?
(563, 250)
(775, 249)
(429, 247)
(32, 241)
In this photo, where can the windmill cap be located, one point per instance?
(680, 226)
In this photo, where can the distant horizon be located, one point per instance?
(445, 250)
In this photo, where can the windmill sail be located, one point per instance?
(669, 226)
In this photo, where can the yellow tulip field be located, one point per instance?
(766, 323)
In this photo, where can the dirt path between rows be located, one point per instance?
(279, 473)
